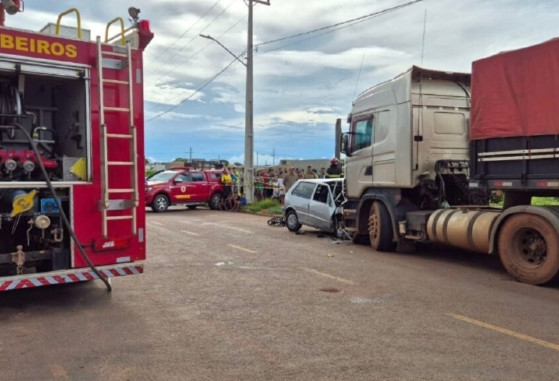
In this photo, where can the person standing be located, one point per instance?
(289, 179)
(227, 182)
(334, 170)
(309, 174)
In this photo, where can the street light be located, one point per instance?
(249, 135)
(223, 46)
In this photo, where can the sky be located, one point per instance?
(195, 90)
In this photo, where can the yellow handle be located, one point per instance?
(77, 17)
(23, 203)
(122, 39)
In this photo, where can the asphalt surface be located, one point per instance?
(224, 296)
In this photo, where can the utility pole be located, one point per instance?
(249, 127)
(273, 157)
(248, 182)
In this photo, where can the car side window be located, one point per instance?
(197, 176)
(303, 189)
(321, 193)
(183, 177)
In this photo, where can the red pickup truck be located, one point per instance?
(184, 186)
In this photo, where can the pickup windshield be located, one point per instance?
(162, 176)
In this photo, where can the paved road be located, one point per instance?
(226, 297)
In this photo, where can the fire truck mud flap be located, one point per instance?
(68, 276)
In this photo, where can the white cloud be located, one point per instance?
(304, 85)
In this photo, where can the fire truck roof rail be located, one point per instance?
(78, 18)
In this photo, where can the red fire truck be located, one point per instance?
(71, 152)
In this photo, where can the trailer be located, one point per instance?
(427, 150)
(71, 152)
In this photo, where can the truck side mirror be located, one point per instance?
(345, 144)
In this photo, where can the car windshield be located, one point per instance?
(162, 176)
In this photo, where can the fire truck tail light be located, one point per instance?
(107, 244)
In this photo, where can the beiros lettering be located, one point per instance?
(37, 45)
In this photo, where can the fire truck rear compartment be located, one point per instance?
(52, 109)
(35, 238)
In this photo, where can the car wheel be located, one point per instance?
(292, 222)
(339, 230)
(160, 203)
(215, 200)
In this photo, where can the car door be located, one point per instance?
(178, 189)
(197, 187)
(300, 200)
(321, 208)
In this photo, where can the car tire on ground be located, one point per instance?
(160, 203)
(292, 221)
(215, 200)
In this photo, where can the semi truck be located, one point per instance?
(427, 150)
(71, 152)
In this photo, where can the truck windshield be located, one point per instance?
(162, 176)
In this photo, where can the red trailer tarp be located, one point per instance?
(516, 93)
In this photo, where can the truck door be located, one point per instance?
(359, 164)
(178, 188)
(197, 187)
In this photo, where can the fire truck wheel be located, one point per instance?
(529, 248)
(160, 203)
(215, 200)
(380, 228)
(292, 222)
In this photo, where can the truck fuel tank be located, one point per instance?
(469, 229)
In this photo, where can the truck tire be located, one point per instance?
(380, 228)
(215, 200)
(160, 203)
(529, 248)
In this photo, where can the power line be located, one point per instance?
(193, 25)
(352, 21)
(204, 84)
(201, 31)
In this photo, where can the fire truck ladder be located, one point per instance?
(118, 59)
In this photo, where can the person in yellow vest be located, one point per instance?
(227, 182)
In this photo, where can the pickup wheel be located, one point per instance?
(380, 228)
(160, 203)
(529, 248)
(292, 221)
(215, 200)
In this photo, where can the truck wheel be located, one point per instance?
(529, 248)
(160, 203)
(215, 200)
(292, 222)
(380, 228)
